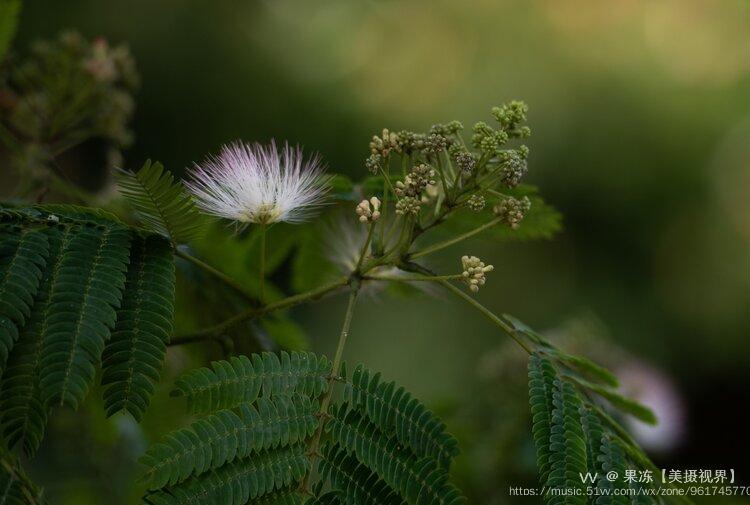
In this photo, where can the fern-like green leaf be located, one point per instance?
(15, 486)
(541, 387)
(418, 480)
(587, 368)
(86, 289)
(354, 480)
(62, 277)
(225, 436)
(611, 459)
(329, 498)
(622, 403)
(23, 413)
(393, 410)
(242, 380)
(23, 255)
(593, 432)
(241, 481)
(567, 445)
(161, 203)
(134, 356)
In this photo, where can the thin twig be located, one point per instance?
(488, 314)
(413, 278)
(312, 450)
(216, 273)
(447, 243)
(363, 253)
(216, 330)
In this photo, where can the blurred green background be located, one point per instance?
(640, 112)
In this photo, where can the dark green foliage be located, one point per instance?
(9, 10)
(62, 287)
(357, 483)
(242, 380)
(567, 445)
(24, 414)
(259, 437)
(574, 436)
(134, 356)
(23, 254)
(86, 289)
(418, 480)
(393, 410)
(541, 385)
(611, 459)
(587, 368)
(225, 436)
(162, 205)
(617, 400)
(593, 432)
(238, 482)
(15, 486)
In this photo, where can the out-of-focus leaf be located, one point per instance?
(286, 333)
(312, 265)
(542, 221)
(9, 10)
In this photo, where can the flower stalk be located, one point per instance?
(262, 267)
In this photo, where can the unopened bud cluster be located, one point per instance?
(512, 167)
(408, 205)
(476, 203)
(386, 142)
(447, 129)
(474, 270)
(465, 161)
(509, 116)
(369, 211)
(416, 181)
(435, 143)
(512, 210)
(373, 163)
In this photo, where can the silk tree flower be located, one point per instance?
(252, 183)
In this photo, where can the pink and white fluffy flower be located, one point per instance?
(252, 183)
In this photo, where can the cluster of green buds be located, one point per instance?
(509, 116)
(513, 166)
(512, 210)
(385, 143)
(435, 143)
(408, 205)
(373, 163)
(476, 202)
(416, 181)
(473, 272)
(447, 129)
(439, 172)
(465, 161)
(369, 210)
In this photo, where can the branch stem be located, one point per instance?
(363, 253)
(488, 314)
(262, 279)
(447, 243)
(214, 272)
(312, 450)
(414, 278)
(215, 332)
